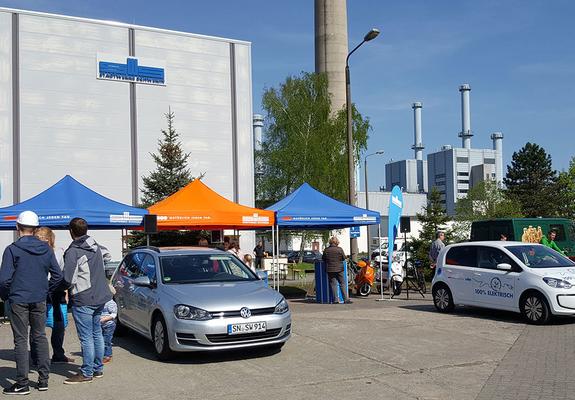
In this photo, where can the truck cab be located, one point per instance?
(526, 229)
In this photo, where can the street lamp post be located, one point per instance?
(372, 34)
(379, 152)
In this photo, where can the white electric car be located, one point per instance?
(528, 278)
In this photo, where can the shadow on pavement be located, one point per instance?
(143, 348)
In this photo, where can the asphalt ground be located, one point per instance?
(400, 349)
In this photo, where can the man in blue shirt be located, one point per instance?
(24, 285)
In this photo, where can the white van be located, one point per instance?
(528, 278)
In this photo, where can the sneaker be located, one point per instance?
(98, 374)
(78, 378)
(17, 389)
(42, 386)
(348, 302)
(65, 360)
(107, 360)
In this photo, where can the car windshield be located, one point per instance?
(201, 268)
(535, 256)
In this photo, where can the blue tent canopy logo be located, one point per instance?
(131, 71)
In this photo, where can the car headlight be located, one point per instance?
(557, 283)
(282, 307)
(183, 311)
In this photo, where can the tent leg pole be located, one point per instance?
(380, 261)
(278, 258)
(148, 239)
(273, 251)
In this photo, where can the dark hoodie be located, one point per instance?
(24, 271)
(84, 273)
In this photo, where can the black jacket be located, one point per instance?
(333, 257)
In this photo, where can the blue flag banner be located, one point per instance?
(395, 209)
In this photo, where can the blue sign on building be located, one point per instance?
(131, 72)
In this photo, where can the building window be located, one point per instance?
(463, 174)
(439, 176)
(462, 191)
(463, 181)
(462, 159)
(489, 161)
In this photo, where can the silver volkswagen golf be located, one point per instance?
(197, 299)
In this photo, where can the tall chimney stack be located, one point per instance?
(497, 138)
(417, 144)
(465, 133)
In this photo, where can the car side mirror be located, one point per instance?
(142, 281)
(504, 267)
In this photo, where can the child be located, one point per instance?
(108, 321)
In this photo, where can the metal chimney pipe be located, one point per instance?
(497, 138)
(417, 144)
(258, 124)
(465, 133)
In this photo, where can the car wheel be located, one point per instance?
(364, 290)
(535, 309)
(160, 339)
(121, 329)
(442, 298)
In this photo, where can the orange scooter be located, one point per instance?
(364, 278)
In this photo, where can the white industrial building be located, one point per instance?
(453, 171)
(87, 98)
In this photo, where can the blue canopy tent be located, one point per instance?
(307, 208)
(68, 199)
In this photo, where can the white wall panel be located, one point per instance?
(71, 122)
(198, 90)
(6, 180)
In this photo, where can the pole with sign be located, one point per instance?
(395, 209)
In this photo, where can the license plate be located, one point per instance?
(250, 327)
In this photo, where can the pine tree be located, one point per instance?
(433, 218)
(171, 173)
(531, 181)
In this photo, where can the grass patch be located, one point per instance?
(302, 267)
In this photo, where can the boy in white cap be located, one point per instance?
(24, 283)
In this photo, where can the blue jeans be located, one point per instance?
(89, 328)
(108, 332)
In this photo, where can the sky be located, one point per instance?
(517, 55)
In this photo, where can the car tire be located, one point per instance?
(121, 329)
(160, 339)
(364, 290)
(442, 298)
(534, 308)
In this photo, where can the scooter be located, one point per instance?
(364, 278)
(397, 275)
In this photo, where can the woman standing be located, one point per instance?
(58, 301)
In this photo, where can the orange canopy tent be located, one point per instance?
(196, 206)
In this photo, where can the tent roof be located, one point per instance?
(67, 199)
(308, 208)
(196, 206)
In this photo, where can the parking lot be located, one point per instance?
(392, 349)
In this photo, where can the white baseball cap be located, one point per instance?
(28, 218)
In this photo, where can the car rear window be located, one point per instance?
(465, 256)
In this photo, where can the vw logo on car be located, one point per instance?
(245, 312)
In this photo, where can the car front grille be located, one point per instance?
(225, 338)
(236, 313)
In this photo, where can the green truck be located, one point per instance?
(527, 230)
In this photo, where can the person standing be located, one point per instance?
(436, 247)
(333, 256)
(108, 321)
(24, 283)
(259, 252)
(89, 292)
(57, 300)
